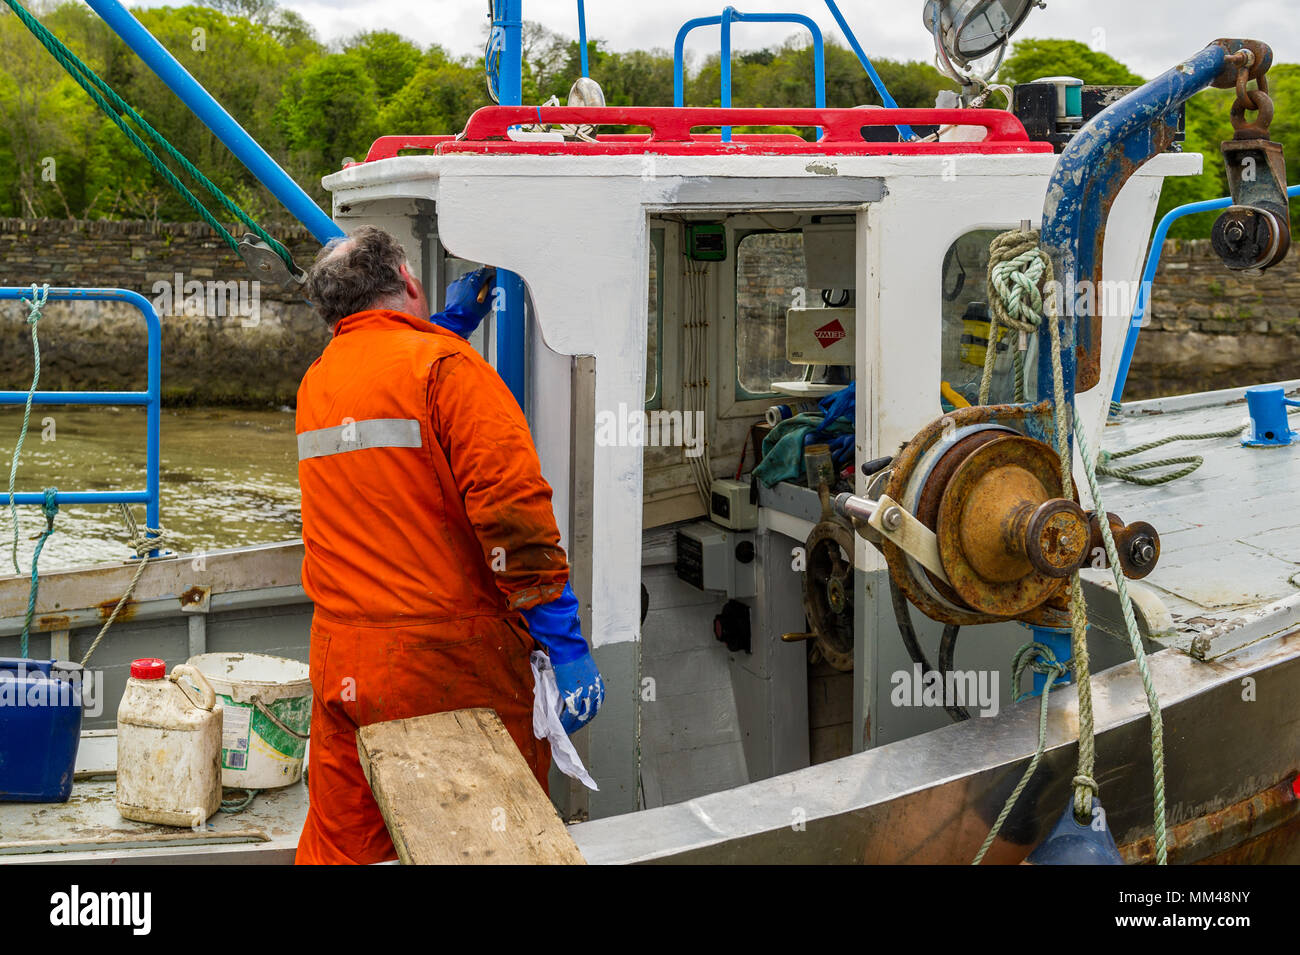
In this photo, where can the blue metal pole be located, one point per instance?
(510, 320)
(582, 36)
(903, 129)
(679, 56)
(1149, 275)
(212, 115)
(725, 65)
(1090, 173)
(732, 15)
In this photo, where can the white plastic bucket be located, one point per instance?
(266, 705)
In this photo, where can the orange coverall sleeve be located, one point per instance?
(490, 452)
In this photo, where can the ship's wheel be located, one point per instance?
(828, 591)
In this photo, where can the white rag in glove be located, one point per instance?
(547, 707)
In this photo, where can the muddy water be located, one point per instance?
(229, 478)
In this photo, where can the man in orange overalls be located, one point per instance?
(428, 532)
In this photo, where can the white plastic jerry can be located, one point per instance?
(168, 746)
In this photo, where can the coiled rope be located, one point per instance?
(1017, 273)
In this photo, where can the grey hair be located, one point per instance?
(354, 273)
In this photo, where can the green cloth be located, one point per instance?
(783, 446)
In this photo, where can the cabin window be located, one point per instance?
(770, 278)
(655, 311)
(965, 331)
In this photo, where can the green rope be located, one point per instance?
(1085, 786)
(1017, 271)
(1040, 659)
(1135, 642)
(239, 805)
(1008, 253)
(34, 306)
(1130, 472)
(51, 508)
(114, 106)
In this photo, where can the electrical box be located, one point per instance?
(706, 241)
(829, 255)
(820, 336)
(714, 558)
(729, 505)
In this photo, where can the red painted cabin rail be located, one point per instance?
(671, 132)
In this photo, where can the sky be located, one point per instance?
(1147, 35)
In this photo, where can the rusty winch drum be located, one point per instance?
(1008, 539)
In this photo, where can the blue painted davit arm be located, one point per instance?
(1089, 175)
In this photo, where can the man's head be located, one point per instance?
(363, 271)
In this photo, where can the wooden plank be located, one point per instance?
(454, 789)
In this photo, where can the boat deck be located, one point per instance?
(87, 828)
(1230, 531)
(1227, 579)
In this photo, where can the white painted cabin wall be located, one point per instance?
(576, 229)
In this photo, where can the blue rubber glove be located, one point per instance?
(464, 311)
(841, 449)
(555, 626)
(836, 405)
(840, 404)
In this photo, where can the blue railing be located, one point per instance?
(732, 15)
(582, 37)
(1149, 274)
(150, 398)
(904, 130)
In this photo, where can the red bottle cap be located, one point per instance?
(148, 669)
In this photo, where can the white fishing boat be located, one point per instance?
(820, 668)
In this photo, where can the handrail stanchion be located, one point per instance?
(151, 398)
(1149, 274)
(732, 15)
(904, 130)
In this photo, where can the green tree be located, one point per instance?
(1031, 59)
(328, 112)
(390, 60)
(438, 98)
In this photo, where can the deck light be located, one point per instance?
(966, 30)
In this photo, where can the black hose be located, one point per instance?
(947, 646)
(947, 653)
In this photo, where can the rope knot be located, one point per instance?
(50, 506)
(1039, 658)
(37, 302)
(153, 538)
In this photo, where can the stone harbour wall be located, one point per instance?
(1212, 328)
(230, 340)
(226, 338)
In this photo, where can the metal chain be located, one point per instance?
(1256, 100)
